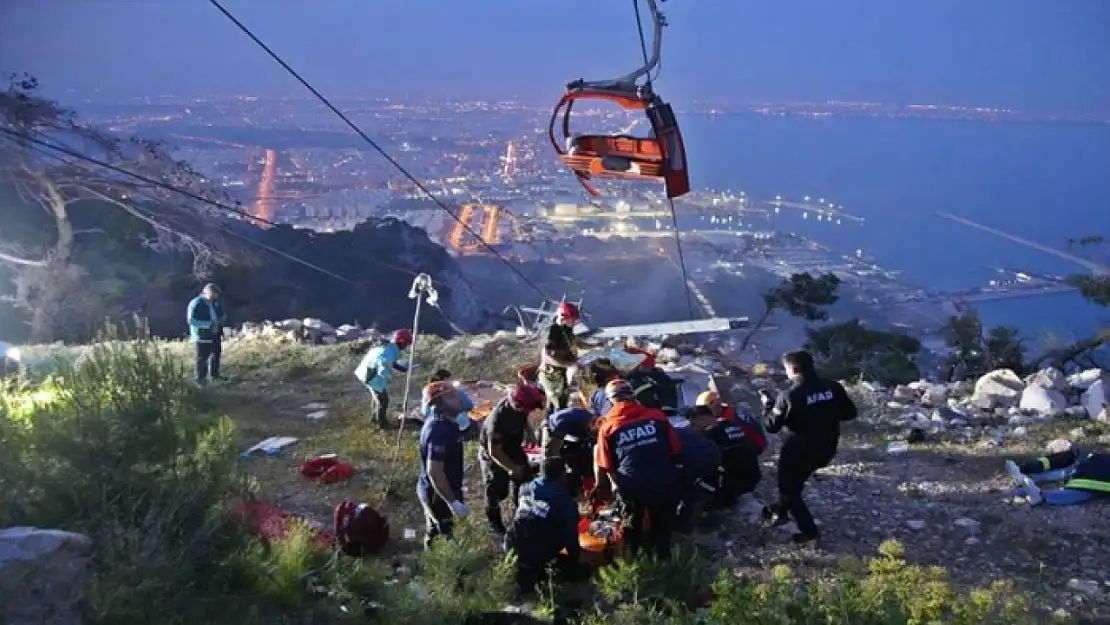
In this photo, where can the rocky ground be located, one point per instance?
(923, 463)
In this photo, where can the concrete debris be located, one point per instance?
(42, 576)
(313, 331)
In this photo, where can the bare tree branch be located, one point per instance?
(26, 262)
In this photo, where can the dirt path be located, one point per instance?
(949, 509)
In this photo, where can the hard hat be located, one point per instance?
(436, 390)
(708, 398)
(569, 311)
(527, 397)
(403, 338)
(619, 390)
(211, 287)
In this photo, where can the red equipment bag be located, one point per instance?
(359, 529)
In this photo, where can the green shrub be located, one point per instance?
(886, 591)
(116, 448)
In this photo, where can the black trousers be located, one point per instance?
(439, 520)
(692, 500)
(741, 475)
(498, 486)
(797, 463)
(656, 510)
(208, 360)
(381, 407)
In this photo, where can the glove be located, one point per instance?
(766, 399)
(459, 509)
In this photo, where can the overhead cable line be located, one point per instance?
(20, 137)
(392, 161)
(674, 216)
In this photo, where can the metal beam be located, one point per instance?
(716, 324)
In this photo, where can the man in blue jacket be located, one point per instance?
(546, 524)
(377, 368)
(206, 318)
(699, 477)
(440, 486)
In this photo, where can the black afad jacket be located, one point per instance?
(811, 410)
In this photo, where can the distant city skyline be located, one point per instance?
(1020, 54)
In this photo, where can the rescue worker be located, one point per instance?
(635, 455)
(699, 478)
(501, 454)
(739, 446)
(206, 318)
(810, 411)
(600, 373)
(1089, 479)
(544, 531)
(560, 354)
(378, 366)
(443, 375)
(570, 435)
(440, 487)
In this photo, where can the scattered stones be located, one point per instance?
(916, 525)
(1087, 587)
(969, 524)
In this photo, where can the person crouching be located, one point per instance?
(544, 531)
(740, 443)
(569, 435)
(501, 454)
(635, 454)
(699, 476)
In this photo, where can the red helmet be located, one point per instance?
(569, 311)
(403, 338)
(527, 397)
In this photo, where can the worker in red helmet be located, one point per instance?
(560, 353)
(637, 453)
(376, 368)
(501, 454)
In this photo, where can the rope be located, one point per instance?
(674, 216)
(643, 39)
(373, 144)
(682, 263)
(17, 136)
(37, 145)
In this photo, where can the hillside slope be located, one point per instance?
(945, 501)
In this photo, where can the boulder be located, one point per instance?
(1000, 387)
(42, 576)
(935, 395)
(1043, 401)
(1084, 379)
(1050, 378)
(1095, 401)
(348, 332)
(318, 326)
(904, 393)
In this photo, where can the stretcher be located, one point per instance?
(600, 535)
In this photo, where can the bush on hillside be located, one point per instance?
(118, 449)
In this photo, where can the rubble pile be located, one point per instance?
(312, 331)
(996, 407)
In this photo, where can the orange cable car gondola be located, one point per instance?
(660, 157)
